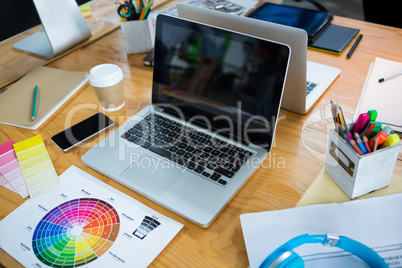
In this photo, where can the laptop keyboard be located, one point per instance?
(208, 156)
(310, 86)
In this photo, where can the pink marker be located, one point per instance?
(361, 123)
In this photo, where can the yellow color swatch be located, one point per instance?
(37, 168)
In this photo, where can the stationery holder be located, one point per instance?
(356, 174)
(138, 36)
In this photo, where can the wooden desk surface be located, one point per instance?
(297, 157)
(14, 64)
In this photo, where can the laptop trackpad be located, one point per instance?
(154, 175)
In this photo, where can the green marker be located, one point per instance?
(373, 115)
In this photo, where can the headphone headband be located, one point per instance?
(362, 251)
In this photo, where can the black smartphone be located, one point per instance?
(82, 131)
(312, 21)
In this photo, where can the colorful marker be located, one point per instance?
(381, 136)
(391, 140)
(361, 123)
(373, 115)
(377, 128)
(386, 130)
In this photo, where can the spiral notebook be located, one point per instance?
(55, 88)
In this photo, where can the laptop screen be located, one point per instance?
(227, 82)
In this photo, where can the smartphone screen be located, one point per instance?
(312, 21)
(82, 131)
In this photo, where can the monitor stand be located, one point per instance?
(63, 27)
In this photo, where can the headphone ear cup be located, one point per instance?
(293, 261)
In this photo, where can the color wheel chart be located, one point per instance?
(76, 232)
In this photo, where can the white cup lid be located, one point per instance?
(105, 75)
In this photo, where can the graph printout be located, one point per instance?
(36, 165)
(85, 223)
(10, 171)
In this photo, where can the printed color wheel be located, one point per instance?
(76, 232)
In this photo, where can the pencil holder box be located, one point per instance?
(138, 36)
(357, 174)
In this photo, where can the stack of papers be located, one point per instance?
(85, 223)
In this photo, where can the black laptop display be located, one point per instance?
(226, 77)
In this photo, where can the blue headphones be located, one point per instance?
(284, 257)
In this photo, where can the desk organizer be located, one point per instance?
(356, 174)
(138, 36)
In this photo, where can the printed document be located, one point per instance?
(375, 222)
(85, 223)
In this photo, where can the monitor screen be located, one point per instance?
(17, 16)
(226, 81)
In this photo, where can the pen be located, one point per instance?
(354, 46)
(147, 11)
(35, 100)
(390, 76)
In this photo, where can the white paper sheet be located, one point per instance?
(113, 230)
(383, 97)
(375, 222)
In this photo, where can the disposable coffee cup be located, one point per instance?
(107, 81)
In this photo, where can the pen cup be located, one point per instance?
(107, 81)
(138, 36)
(356, 174)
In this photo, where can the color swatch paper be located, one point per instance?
(85, 223)
(37, 168)
(11, 171)
(6, 184)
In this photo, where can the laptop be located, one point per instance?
(306, 80)
(216, 98)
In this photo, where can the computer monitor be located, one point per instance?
(62, 30)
